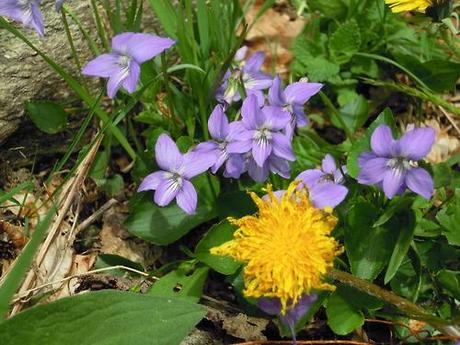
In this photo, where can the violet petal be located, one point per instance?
(187, 198)
(417, 143)
(419, 181)
(167, 154)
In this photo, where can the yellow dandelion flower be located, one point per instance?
(409, 5)
(287, 247)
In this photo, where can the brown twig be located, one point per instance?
(23, 295)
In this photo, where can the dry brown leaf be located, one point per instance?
(240, 325)
(445, 144)
(116, 240)
(273, 33)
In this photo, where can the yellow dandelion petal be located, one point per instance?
(409, 5)
(286, 246)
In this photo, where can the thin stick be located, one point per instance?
(24, 294)
(451, 120)
(91, 219)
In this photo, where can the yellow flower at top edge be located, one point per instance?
(409, 5)
(286, 247)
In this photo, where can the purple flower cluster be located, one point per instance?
(27, 12)
(259, 143)
(393, 164)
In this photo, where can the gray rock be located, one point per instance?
(23, 73)
(25, 76)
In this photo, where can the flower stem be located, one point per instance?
(71, 43)
(401, 303)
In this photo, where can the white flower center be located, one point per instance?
(263, 136)
(124, 61)
(176, 181)
(401, 164)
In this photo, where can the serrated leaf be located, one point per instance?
(345, 41)
(104, 318)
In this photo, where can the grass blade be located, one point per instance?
(14, 278)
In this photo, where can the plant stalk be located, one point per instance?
(401, 303)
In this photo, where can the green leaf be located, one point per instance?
(165, 225)
(450, 280)
(449, 218)
(355, 113)
(439, 75)
(336, 9)
(342, 316)
(104, 318)
(217, 235)
(368, 248)
(363, 143)
(165, 12)
(442, 175)
(345, 41)
(395, 205)
(405, 224)
(181, 284)
(235, 204)
(16, 274)
(320, 69)
(113, 186)
(109, 260)
(50, 117)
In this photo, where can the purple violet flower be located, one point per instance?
(392, 164)
(123, 65)
(324, 185)
(248, 71)
(293, 98)
(272, 306)
(173, 181)
(222, 132)
(25, 11)
(262, 133)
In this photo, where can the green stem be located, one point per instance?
(335, 115)
(422, 94)
(394, 63)
(99, 26)
(164, 67)
(71, 43)
(402, 304)
(91, 43)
